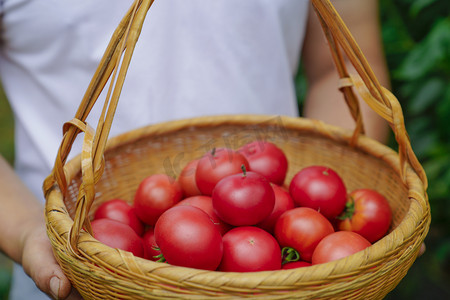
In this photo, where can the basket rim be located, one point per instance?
(59, 222)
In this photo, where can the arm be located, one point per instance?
(324, 101)
(23, 237)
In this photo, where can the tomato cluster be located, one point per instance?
(230, 210)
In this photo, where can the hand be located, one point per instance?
(40, 264)
(422, 249)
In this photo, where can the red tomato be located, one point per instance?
(187, 237)
(338, 245)
(117, 235)
(367, 213)
(295, 264)
(266, 159)
(154, 195)
(302, 228)
(215, 165)
(243, 199)
(319, 188)
(120, 210)
(250, 249)
(283, 202)
(187, 179)
(151, 249)
(205, 204)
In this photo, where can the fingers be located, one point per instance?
(40, 264)
(422, 249)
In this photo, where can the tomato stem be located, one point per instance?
(213, 152)
(349, 209)
(160, 256)
(289, 254)
(244, 170)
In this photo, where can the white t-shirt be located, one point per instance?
(193, 58)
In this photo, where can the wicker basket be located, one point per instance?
(114, 168)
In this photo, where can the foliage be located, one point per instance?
(418, 32)
(417, 42)
(6, 129)
(416, 35)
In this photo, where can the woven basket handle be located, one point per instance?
(113, 68)
(383, 102)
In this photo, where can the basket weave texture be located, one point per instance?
(113, 169)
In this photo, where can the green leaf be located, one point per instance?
(435, 167)
(423, 143)
(443, 114)
(396, 37)
(437, 190)
(418, 126)
(440, 150)
(430, 53)
(423, 138)
(426, 95)
(301, 85)
(5, 282)
(418, 5)
(409, 89)
(443, 252)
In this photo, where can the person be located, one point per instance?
(193, 58)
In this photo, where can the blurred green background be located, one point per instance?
(416, 35)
